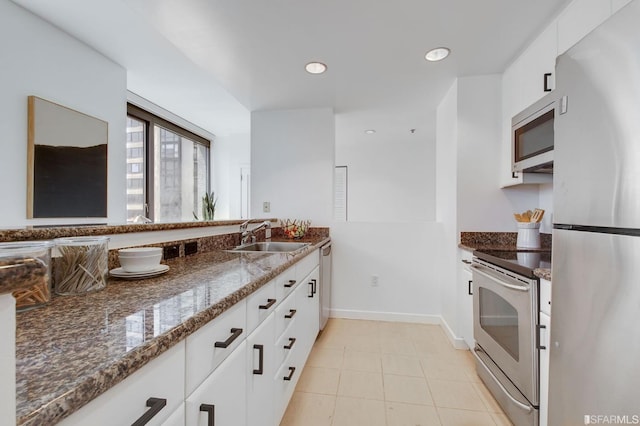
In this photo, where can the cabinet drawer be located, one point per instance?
(545, 296)
(202, 356)
(306, 265)
(260, 305)
(177, 418)
(286, 314)
(283, 389)
(286, 345)
(126, 402)
(285, 283)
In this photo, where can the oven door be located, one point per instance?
(505, 311)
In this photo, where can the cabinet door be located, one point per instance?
(221, 398)
(260, 369)
(545, 341)
(309, 301)
(157, 387)
(177, 418)
(465, 292)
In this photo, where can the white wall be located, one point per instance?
(391, 173)
(40, 60)
(446, 210)
(230, 152)
(292, 154)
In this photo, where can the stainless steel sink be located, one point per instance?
(271, 247)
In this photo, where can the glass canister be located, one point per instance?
(27, 264)
(82, 265)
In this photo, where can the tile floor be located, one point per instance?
(373, 373)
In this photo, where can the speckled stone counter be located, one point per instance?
(77, 347)
(471, 241)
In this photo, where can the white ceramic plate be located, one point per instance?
(121, 273)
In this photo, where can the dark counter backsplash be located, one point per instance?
(498, 239)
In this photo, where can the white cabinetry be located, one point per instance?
(464, 294)
(545, 341)
(222, 396)
(157, 388)
(578, 19)
(260, 368)
(618, 4)
(219, 375)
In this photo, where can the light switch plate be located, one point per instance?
(266, 207)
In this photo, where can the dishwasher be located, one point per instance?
(325, 284)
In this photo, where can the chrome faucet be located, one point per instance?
(248, 234)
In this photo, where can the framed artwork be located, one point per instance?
(67, 162)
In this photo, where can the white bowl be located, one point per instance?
(140, 263)
(140, 251)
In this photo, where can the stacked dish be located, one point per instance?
(139, 262)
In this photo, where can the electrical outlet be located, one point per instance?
(190, 248)
(171, 251)
(266, 207)
(374, 280)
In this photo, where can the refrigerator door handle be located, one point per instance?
(502, 283)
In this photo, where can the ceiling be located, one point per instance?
(213, 61)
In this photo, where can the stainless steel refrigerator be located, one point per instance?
(595, 314)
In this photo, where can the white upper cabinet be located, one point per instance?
(579, 18)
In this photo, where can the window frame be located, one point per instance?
(151, 120)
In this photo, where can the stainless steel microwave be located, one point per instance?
(532, 137)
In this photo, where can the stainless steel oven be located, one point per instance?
(505, 306)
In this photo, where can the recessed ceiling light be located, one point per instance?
(315, 67)
(369, 131)
(437, 54)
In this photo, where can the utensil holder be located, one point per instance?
(528, 235)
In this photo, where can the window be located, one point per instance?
(167, 168)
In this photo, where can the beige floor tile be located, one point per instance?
(411, 390)
(401, 365)
(397, 346)
(488, 400)
(319, 380)
(361, 384)
(443, 368)
(363, 343)
(331, 339)
(501, 419)
(399, 414)
(358, 412)
(453, 394)
(395, 329)
(325, 357)
(309, 409)
(362, 361)
(452, 417)
(433, 344)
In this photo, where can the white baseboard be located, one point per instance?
(385, 316)
(456, 342)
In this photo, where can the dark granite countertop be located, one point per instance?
(77, 347)
(471, 241)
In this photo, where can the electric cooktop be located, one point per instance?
(522, 262)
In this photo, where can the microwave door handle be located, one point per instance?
(502, 283)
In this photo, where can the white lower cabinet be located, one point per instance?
(177, 418)
(465, 299)
(221, 398)
(545, 342)
(219, 375)
(154, 392)
(260, 368)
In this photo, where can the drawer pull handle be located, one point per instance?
(155, 405)
(311, 284)
(315, 286)
(291, 283)
(539, 327)
(291, 371)
(210, 409)
(260, 369)
(235, 333)
(469, 290)
(291, 313)
(292, 340)
(270, 303)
